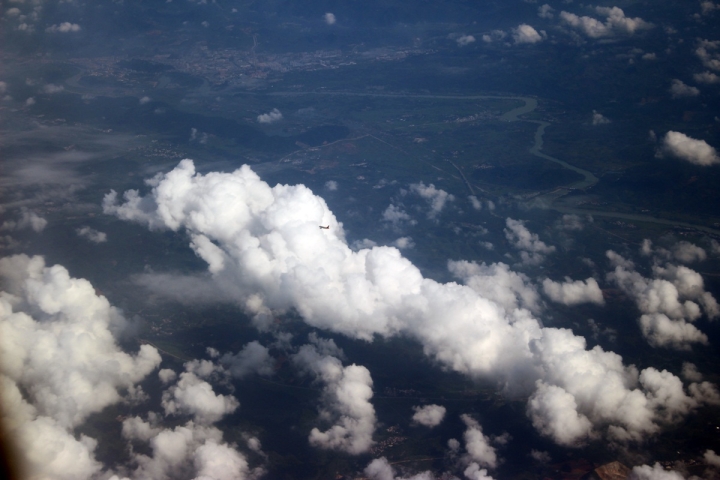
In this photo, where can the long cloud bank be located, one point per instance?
(264, 249)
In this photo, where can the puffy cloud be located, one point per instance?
(57, 348)
(540, 456)
(196, 397)
(678, 89)
(403, 243)
(573, 293)
(554, 413)
(429, 415)
(330, 18)
(546, 11)
(463, 40)
(253, 358)
(51, 88)
(474, 472)
(347, 395)
(660, 299)
(707, 7)
(271, 117)
(28, 219)
(144, 100)
(656, 472)
(498, 283)
(709, 53)
(707, 78)
(64, 27)
(690, 372)
(689, 149)
(616, 23)
(30, 102)
(687, 252)
(599, 118)
(264, 249)
(712, 458)
(524, 33)
(533, 250)
(494, 36)
(436, 197)
(331, 185)
(184, 449)
(91, 234)
(380, 469)
(395, 215)
(477, 444)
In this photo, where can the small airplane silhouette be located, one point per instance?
(325, 228)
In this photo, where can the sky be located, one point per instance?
(146, 191)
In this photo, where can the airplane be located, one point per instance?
(325, 228)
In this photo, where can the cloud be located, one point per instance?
(656, 472)
(712, 458)
(403, 243)
(687, 252)
(709, 53)
(554, 413)
(599, 119)
(533, 250)
(707, 7)
(498, 283)
(707, 78)
(271, 117)
(463, 40)
(253, 358)
(265, 249)
(186, 448)
(397, 216)
(429, 415)
(193, 396)
(145, 100)
(616, 23)
(494, 36)
(59, 363)
(28, 220)
(329, 18)
(540, 456)
(573, 293)
(65, 27)
(660, 299)
(524, 33)
(690, 372)
(689, 149)
(346, 401)
(436, 197)
(380, 469)
(546, 11)
(678, 89)
(51, 88)
(331, 185)
(477, 444)
(91, 234)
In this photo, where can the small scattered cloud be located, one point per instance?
(395, 215)
(695, 151)
(30, 101)
(599, 119)
(91, 234)
(546, 11)
(708, 78)
(494, 36)
(532, 249)
(65, 27)
(709, 53)
(463, 40)
(330, 18)
(656, 472)
(28, 220)
(51, 88)
(616, 23)
(331, 185)
(271, 117)
(524, 33)
(477, 444)
(404, 243)
(679, 89)
(436, 197)
(707, 7)
(429, 415)
(573, 292)
(145, 100)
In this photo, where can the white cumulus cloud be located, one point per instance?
(689, 149)
(573, 292)
(271, 117)
(524, 33)
(429, 415)
(679, 89)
